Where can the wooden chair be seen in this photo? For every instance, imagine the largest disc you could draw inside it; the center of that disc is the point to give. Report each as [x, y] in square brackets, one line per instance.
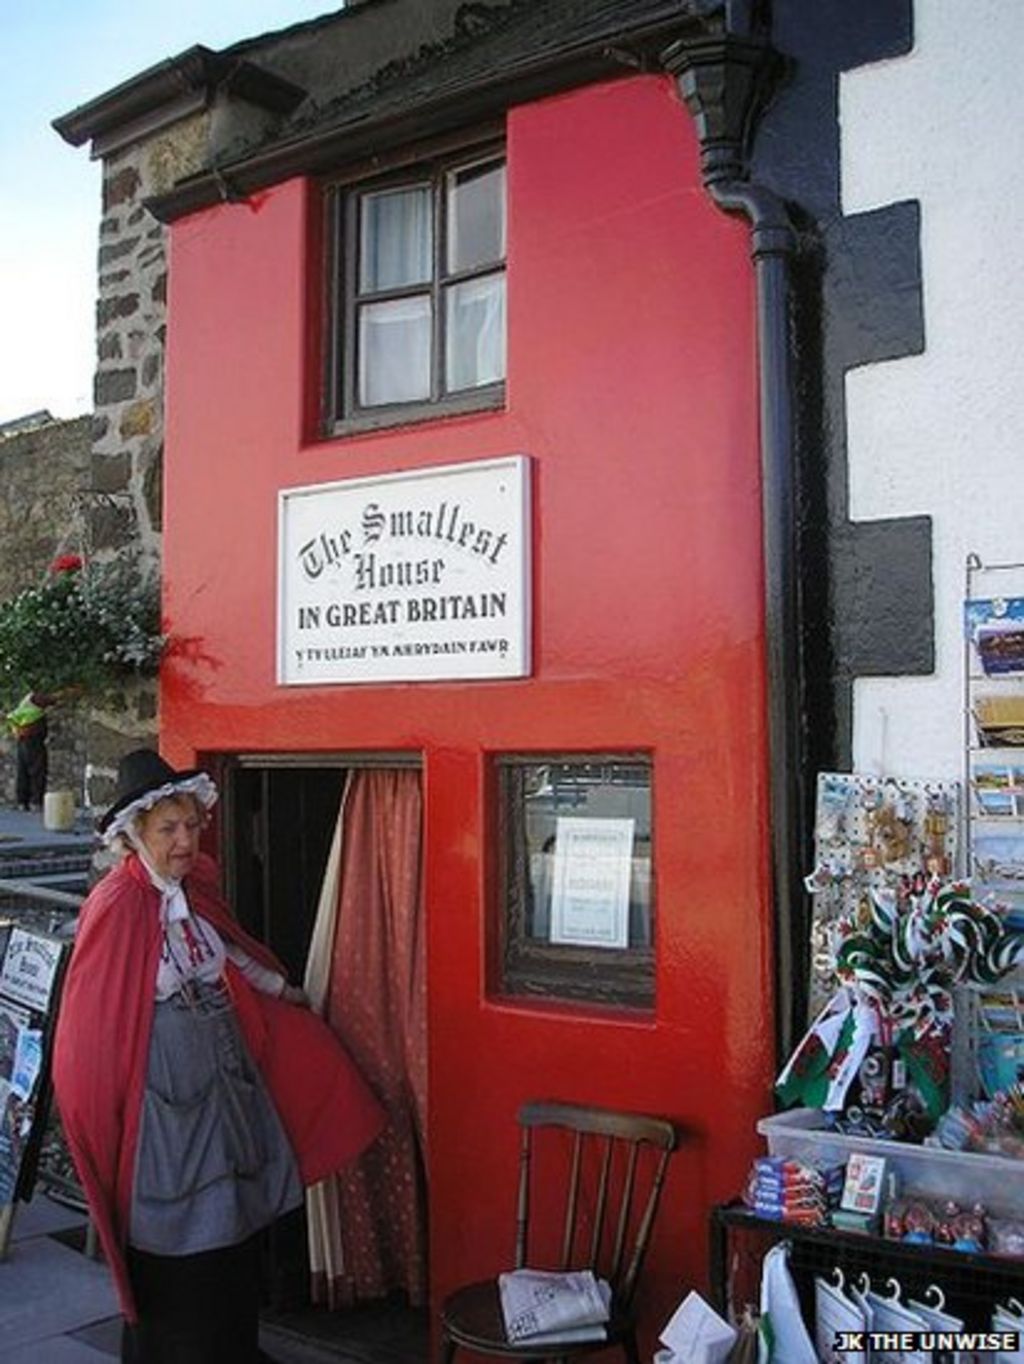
[608, 1193]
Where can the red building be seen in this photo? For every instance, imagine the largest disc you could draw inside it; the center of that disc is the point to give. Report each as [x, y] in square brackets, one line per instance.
[496, 263]
[631, 389]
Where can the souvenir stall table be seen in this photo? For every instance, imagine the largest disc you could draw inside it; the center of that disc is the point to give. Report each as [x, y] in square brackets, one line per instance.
[892, 1195]
[970, 1283]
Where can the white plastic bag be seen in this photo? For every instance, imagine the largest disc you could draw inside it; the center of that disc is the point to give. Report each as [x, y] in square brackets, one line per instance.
[790, 1341]
[696, 1334]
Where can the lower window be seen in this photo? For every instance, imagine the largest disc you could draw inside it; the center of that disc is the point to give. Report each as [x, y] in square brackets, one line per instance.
[575, 854]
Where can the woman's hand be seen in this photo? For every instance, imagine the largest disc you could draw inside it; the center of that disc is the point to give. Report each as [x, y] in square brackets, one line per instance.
[295, 994]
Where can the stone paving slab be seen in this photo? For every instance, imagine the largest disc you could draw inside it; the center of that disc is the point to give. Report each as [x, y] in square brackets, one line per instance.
[42, 1217]
[284, 1347]
[102, 1337]
[47, 1290]
[56, 1350]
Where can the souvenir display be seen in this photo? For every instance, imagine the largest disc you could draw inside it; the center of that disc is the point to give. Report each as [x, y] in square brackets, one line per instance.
[994, 1125]
[896, 959]
[995, 627]
[872, 835]
[1006, 1237]
[936, 1318]
[896, 1321]
[863, 1184]
[916, 998]
[837, 1315]
[792, 1191]
[1009, 1316]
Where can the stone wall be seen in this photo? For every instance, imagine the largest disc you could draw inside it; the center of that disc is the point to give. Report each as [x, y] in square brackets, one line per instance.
[45, 476]
[128, 422]
[131, 313]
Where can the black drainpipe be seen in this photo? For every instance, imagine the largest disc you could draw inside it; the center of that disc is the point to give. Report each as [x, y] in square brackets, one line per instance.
[725, 82]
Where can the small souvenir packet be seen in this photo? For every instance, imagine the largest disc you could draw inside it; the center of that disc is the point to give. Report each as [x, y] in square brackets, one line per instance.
[864, 1184]
[866, 1223]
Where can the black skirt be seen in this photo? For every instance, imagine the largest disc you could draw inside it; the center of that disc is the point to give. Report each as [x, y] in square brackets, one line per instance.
[195, 1309]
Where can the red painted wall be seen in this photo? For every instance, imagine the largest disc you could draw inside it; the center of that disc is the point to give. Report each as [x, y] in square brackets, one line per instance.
[632, 385]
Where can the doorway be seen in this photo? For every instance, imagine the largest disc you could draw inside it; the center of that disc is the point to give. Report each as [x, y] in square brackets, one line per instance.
[281, 816]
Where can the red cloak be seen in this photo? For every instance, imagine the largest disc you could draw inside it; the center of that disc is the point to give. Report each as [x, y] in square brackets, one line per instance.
[101, 1051]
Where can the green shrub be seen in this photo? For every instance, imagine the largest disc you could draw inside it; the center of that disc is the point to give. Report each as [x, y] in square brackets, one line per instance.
[86, 628]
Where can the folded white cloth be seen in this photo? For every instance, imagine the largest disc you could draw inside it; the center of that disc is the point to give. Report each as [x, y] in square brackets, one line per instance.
[542, 1305]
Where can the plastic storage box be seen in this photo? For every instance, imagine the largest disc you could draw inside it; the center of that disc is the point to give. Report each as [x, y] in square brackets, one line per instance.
[966, 1176]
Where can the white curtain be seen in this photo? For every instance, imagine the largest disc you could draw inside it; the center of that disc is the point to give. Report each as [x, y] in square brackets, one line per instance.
[394, 351]
[326, 1258]
[476, 332]
[395, 239]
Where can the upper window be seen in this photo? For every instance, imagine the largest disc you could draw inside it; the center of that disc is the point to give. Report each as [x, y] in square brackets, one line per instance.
[420, 317]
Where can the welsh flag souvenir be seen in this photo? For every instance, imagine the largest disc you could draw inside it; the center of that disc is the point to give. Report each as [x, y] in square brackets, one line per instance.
[820, 1071]
[896, 966]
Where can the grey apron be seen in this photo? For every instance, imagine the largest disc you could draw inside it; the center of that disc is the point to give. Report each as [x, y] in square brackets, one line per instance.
[213, 1163]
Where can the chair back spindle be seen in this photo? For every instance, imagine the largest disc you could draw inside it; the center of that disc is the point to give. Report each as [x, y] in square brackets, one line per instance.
[643, 1236]
[603, 1182]
[625, 1208]
[572, 1201]
[602, 1204]
[523, 1199]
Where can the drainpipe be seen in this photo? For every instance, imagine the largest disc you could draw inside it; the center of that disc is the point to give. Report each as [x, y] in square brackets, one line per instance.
[725, 82]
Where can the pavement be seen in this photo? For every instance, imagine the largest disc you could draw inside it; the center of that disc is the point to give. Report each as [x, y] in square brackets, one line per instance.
[57, 1303]
[26, 826]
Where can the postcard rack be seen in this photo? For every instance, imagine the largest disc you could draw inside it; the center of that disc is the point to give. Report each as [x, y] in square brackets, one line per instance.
[994, 794]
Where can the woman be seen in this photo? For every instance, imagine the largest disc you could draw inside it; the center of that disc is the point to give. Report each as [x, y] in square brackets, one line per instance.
[196, 1093]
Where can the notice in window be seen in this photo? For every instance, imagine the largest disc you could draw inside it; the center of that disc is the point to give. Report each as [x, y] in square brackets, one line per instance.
[590, 896]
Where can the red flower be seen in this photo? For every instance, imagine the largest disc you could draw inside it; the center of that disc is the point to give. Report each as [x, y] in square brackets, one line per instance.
[66, 563]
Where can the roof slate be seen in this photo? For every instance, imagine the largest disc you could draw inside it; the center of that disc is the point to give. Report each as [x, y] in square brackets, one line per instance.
[488, 39]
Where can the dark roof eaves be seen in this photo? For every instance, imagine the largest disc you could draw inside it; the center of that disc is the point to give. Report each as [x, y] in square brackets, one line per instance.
[169, 79]
[343, 143]
[196, 71]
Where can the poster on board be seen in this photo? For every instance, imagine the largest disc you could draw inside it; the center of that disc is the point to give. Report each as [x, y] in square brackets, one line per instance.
[30, 973]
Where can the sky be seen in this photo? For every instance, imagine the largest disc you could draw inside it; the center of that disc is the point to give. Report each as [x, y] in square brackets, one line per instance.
[54, 56]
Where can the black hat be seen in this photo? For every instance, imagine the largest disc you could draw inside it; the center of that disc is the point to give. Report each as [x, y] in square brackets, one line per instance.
[143, 779]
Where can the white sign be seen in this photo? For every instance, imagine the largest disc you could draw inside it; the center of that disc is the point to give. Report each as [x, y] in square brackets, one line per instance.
[30, 965]
[406, 577]
[590, 894]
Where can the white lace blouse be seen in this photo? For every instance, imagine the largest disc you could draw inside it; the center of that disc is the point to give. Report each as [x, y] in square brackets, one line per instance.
[193, 950]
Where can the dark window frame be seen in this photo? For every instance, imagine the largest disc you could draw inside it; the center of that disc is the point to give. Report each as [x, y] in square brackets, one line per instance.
[521, 968]
[342, 415]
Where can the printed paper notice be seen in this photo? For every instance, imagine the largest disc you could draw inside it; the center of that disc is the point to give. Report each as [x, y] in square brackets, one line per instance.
[29, 969]
[590, 895]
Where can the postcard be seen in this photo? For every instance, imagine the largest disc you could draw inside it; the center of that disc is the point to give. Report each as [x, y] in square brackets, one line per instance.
[999, 860]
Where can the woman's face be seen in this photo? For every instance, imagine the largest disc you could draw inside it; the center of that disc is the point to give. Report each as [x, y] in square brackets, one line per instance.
[170, 834]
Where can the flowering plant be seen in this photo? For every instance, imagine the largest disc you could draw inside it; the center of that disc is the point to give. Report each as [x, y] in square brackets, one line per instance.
[85, 628]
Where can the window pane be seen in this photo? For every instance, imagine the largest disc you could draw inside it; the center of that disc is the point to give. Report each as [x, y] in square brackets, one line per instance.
[394, 351]
[476, 217]
[395, 239]
[475, 331]
[588, 850]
